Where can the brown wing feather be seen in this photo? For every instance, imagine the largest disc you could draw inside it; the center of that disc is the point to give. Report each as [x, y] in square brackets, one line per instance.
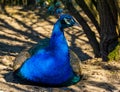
[19, 60]
[75, 63]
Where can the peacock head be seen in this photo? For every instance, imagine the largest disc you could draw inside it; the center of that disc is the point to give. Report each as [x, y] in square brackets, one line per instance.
[67, 21]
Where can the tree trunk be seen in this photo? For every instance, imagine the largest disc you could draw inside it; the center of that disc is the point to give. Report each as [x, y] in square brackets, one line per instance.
[2, 6]
[118, 10]
[108, 21]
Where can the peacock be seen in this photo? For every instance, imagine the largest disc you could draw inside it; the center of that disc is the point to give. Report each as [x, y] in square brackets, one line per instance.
[49, 65]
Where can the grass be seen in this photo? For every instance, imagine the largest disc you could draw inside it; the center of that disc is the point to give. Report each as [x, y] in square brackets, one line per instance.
[115, 54]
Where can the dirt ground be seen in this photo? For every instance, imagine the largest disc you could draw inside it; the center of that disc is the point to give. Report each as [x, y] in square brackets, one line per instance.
[21, 28]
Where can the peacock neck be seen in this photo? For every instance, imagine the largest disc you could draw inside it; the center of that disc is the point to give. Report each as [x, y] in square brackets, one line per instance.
[58, 40]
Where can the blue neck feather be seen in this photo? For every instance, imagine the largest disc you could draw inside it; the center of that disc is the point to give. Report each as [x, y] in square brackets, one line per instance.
[58, 41]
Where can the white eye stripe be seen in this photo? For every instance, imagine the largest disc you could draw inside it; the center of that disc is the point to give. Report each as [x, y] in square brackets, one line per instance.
[66, 21]
[72, 20]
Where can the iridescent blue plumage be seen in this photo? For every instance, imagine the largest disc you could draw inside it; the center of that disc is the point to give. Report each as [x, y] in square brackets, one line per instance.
[51, 65]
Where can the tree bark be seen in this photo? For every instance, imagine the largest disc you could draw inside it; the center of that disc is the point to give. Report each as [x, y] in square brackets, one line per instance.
[108, 22]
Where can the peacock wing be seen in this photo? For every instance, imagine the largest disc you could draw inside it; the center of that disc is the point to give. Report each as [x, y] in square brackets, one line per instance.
[75, 63]
[19, 60]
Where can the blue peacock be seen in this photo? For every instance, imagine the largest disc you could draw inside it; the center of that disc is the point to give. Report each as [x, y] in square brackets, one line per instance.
[49, 66]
